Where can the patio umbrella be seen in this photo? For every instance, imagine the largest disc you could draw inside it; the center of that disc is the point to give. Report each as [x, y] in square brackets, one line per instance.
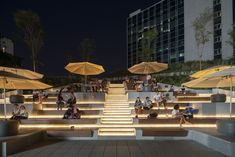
[148, 68]
[16, 83]
[16, 72]
[224, 78]
[208, 71]
[84, 68]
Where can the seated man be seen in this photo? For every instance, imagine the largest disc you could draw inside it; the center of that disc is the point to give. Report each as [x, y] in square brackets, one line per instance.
[189, 111]
[68, 113]
[147, 104]
[157, 99]
[20, 114]
[60, 100]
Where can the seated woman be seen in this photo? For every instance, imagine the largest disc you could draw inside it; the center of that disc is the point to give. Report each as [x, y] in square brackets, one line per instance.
[178, 115]
[138, 106]
[147, 104]
[16, 111]
[23, 113]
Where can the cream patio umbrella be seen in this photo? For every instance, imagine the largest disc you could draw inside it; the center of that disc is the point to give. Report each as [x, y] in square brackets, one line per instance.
[208, 71]
[224, 78]
[24, 73]
[85, 68]
[148, 68]
[16, 83]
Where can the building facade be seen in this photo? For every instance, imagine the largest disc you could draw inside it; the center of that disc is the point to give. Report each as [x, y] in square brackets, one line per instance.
[175, 41]
[7, 45]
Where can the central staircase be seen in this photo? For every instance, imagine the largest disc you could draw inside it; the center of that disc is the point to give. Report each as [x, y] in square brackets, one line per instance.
[116, 112]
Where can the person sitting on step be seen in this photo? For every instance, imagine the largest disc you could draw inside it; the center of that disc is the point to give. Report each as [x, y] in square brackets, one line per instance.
[147, 104]
[138, 106]
[179, 115]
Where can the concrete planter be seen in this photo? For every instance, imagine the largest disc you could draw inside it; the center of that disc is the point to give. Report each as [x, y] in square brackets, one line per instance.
[9, 128]
[226, 127]
[17, 99]
[218, 98]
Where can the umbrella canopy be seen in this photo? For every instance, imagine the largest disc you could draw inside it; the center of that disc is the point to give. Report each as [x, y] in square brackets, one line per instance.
[208, 71]
[16, 83]
[84, 68]
[224, 78]
[211, 82]
[148, 68]
[16, 72]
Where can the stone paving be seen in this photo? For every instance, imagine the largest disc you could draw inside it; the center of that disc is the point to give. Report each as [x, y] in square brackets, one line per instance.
[107, 148]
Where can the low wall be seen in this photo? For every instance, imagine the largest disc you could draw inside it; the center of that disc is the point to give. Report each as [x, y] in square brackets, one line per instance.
[90, 96]
[19, 143]
[214, 109]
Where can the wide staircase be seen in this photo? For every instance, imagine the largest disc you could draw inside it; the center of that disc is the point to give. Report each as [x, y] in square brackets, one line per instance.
[116, 113]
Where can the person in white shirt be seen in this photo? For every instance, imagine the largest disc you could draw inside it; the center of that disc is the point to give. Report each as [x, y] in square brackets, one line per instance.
[157, 99]
[147, 104]
[161, 99]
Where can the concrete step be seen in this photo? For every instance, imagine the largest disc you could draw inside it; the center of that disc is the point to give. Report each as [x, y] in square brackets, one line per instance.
[117, 115]
[101, 105]
[116, 132]
[117, 120]
[116, 85]
[116, 92]
[58, 121]
[116, 105]
[59, 112]
[116, 97]
[106, 110]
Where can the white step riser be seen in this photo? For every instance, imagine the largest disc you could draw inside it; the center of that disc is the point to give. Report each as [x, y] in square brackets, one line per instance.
[116, 134]
[118, 98]
[116, 85]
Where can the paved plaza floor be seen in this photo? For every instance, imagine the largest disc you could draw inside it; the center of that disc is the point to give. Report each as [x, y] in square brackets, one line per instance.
[107, 148]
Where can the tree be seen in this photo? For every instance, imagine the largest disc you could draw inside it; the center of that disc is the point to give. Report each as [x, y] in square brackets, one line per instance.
[231, 34]
[231, 42]
[87, 46]
[148, 42]
[202, 34]
[29, 23]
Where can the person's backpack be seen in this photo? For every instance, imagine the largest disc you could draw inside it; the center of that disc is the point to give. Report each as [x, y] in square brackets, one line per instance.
[153, 115]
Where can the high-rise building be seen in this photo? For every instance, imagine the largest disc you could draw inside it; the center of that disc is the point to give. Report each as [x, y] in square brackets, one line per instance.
[6, 45]
[173, 21]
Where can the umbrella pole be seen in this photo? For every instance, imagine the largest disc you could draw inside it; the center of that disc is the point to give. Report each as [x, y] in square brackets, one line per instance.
[5, 103]
[85, 83]
[230, 107]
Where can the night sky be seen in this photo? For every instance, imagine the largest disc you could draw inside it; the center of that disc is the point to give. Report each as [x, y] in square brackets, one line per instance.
[66, 23]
